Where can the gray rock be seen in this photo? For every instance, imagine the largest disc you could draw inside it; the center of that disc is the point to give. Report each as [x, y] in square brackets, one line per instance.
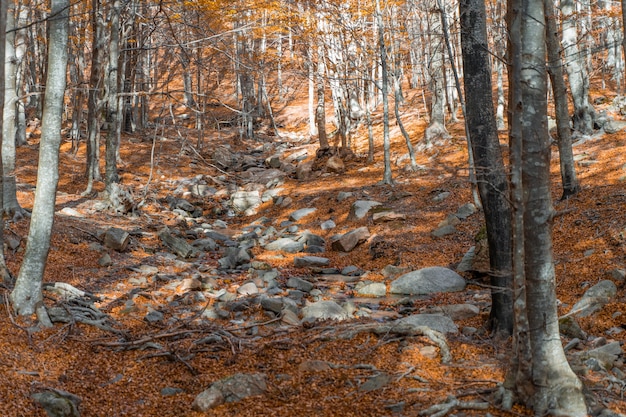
[272, 194]
[375, 289]
[248, 288]
[58, 403]
[154, 317]
[436, 322]
[376, 382]
[457, 311]
[299, 284]
[444, 231]
[348, 241]
[299, 214]
[468, 260]
[311, 261]
[595, 298]
[465, 211]
[323, 310]
[274, 304]
[441, 196]
[273, 161]
[304, 170]
[387, 216]
[169, 391]
[327, 225]
[607, 355]
[243, 201]
[344, 195]
[427, 281]
[311, 239]
[231, 389]
[223, 157]
[285, 244]
[205, 244]
[361, 208]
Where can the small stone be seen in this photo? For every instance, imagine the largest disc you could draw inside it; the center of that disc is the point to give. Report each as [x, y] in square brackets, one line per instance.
[311, 261]
[328, 225]
[299, 214]
[299, 284]
[248, 289]
[105, 260]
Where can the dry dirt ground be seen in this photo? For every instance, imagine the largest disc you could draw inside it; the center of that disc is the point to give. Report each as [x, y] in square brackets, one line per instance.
[113, 379]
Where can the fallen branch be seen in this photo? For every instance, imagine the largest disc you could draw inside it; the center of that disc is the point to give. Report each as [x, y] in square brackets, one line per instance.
[440, 410]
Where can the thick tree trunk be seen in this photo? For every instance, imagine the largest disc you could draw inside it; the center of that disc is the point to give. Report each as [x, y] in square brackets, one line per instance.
[27, 297]
[543, 379]
[569, 180]
[491, 173]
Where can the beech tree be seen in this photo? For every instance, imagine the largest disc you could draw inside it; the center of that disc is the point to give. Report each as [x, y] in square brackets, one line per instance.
[5, 275]
[26, 297]
[491, 174]
[540, 376]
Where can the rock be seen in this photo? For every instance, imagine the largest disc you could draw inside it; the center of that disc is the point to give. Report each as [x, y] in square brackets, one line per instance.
[290, 318]
[311, 261]
[263, 177]
[245, 201]
[335, 164]
[595, 298]
[327, 225]
[348, 241]
[273, 161]
[344, 195]
[299, 284]
[169, 391]
[444, 231]
[376, 382]
[436, 322]
[231, 389]
[299, 214]
[285, 244]
[105, 260]
[311, 239]
[569, 327]
[249, 288]
[607, 355]
[58, 403]
[387, 216]
[360, 208]
[427, 281]
[465, 211]
[304, 170]
[154, 316]
[116, 239]
[441, 196]
[375, 289]
[179, 246]
[274, 304]
[68, 211]
[467, 262]
[324, 310]
[223, 157]
[618, 275]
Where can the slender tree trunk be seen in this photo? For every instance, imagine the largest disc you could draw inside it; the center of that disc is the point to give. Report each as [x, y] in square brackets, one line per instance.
[27, 297]
[112, 77]
[94, 103]
[320, 109]
[387, 176]
[5, 275]
[11, 206]
[490, 171]
[584, 113]
[555, 70]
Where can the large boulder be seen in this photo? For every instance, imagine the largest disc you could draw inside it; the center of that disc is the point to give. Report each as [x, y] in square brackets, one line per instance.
[427, 281]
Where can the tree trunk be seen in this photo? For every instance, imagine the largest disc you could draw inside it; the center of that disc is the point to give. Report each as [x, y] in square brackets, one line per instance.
[5, 275]
[543, 379]
[320, 109]
[27, 297]
[112, 84]
[584, 114]
[491, 173]
[569, 180]
[94, 104]
[10, 204]
[387, 177]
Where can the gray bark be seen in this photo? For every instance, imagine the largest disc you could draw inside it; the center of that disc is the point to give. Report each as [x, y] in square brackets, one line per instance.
[569, 179]
[5, 276]
[542, 377]
[112, 89]
[584, 113]
[10, 204]
[490, 171]
[387, 177]
[26, 297]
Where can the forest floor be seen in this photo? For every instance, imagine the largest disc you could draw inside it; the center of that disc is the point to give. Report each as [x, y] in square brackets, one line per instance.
[114, 378]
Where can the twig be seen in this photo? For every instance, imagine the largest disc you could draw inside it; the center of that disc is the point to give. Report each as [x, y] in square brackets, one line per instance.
[440, 410]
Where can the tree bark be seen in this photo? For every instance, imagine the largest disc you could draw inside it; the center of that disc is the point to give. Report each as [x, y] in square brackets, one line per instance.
[543, 378]
[569, 180]
[10, 204]
[112, 84]
[27, 297]
[5, 276]
[490, 171]
[387, 176]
